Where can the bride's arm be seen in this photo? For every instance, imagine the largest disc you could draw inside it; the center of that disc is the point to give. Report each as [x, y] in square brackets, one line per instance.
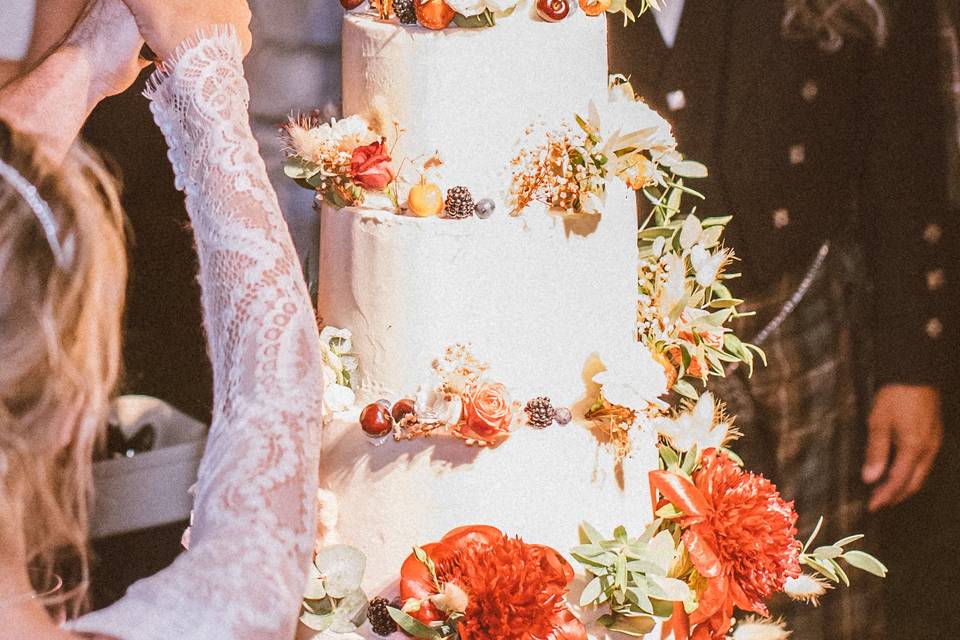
[254, 514]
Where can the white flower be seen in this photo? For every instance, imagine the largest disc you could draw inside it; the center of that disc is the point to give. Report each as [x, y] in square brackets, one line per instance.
[350, 133]
[675, 287]
[758, 629]
[470, 8]
[806, 588]
[633, 378]
[707, 265]
[622, 123]
[697, 427]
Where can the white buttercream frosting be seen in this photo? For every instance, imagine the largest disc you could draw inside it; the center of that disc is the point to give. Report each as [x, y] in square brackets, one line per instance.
[537, 296]
[470, 93]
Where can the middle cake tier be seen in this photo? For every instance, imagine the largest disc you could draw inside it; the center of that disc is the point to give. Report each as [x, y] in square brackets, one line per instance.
[536, 296]
[468, 95]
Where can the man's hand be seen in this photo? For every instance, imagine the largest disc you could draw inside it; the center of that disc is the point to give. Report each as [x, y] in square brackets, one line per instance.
[166, 23]
[98, 58]
[905, 418]
[110, 42]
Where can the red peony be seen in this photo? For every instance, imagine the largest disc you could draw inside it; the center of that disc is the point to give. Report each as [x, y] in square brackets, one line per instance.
[486, 414]
[741, 537]
[370, 166]
[514, 589]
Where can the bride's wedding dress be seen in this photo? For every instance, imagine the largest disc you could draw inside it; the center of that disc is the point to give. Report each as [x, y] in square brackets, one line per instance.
[253, 528]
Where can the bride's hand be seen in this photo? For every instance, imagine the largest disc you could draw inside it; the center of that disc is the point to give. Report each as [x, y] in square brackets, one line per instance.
[166, 23]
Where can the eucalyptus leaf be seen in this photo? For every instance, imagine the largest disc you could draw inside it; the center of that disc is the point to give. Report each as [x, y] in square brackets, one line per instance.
[865, 562]
[351, 613]
[317, 622]
[343, 567]
[845, 541]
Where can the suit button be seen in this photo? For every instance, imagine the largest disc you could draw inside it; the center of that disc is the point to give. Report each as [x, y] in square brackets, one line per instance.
[798, 154]
[936, 278]
[932, 233]
[676, 100]
[809, 90]
[781, 218]
[934, 328]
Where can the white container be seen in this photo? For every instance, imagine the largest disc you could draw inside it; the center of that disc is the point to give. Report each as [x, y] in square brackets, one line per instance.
[152, 488]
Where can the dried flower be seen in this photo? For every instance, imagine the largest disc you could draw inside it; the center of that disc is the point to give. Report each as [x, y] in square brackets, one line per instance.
[806, 588]
[702, 426]
[753, 628]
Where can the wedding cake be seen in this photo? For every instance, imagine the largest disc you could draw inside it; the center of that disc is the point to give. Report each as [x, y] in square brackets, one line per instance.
[512, 371]
[537, 296]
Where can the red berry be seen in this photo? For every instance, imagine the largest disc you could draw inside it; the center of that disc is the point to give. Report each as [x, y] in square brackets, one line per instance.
[402, 409]
[553, 10]
[375, 420]
[351, 4]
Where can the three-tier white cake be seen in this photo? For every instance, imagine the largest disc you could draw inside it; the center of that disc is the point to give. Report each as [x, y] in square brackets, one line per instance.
[538, 296]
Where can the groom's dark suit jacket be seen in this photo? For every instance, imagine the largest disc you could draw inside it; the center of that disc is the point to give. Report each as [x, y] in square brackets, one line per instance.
[804, 145]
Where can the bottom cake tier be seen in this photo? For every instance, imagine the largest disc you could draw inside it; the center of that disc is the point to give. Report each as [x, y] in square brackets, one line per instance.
[539, 485]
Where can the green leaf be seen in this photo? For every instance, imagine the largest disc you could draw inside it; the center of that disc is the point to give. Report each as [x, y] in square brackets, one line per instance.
[589, 534]
[690, 460]
[636, 626]
[841, 574]
[822, 568]
[316, 622]
[342, 567]
[865, 562]
[590, 592]
[813, 534]
[829, 551]
[669, 457]
[845, 541]
[669, 588]
[689, 169]
[299, 169]
[413, 626]
[351, 613]
[685, 389]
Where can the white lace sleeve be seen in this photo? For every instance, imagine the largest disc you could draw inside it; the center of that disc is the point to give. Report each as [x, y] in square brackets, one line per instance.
[254, 513]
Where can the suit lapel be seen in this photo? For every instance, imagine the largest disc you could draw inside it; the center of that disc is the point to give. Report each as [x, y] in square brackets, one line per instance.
[754, 30]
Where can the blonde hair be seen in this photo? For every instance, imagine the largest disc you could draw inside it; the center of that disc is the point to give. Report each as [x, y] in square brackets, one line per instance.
[833, 22]
[60, 337]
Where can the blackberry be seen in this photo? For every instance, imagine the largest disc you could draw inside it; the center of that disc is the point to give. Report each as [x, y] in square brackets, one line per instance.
[380, 620]
[459, 203]
[541, 412]
[406, 12]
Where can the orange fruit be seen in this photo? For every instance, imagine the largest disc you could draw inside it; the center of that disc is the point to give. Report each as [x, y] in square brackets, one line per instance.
[425, 199]
[594, 7]
[436, 14]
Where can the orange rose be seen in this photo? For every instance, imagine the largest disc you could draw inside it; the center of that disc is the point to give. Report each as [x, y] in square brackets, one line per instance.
[370, 166]
[486, 414]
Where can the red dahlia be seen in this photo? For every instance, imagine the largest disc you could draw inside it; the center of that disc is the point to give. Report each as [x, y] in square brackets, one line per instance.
[740, 534]
[515, 590]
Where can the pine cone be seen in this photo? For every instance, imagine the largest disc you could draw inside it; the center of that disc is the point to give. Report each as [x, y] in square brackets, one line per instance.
[459, 203]
[541, 412]
[406, 11]
[380, 620]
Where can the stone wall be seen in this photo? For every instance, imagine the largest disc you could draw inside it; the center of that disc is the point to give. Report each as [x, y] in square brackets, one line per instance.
[294, 66]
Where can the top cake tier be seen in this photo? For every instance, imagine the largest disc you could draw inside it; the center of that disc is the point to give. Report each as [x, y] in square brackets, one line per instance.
[468, 95]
